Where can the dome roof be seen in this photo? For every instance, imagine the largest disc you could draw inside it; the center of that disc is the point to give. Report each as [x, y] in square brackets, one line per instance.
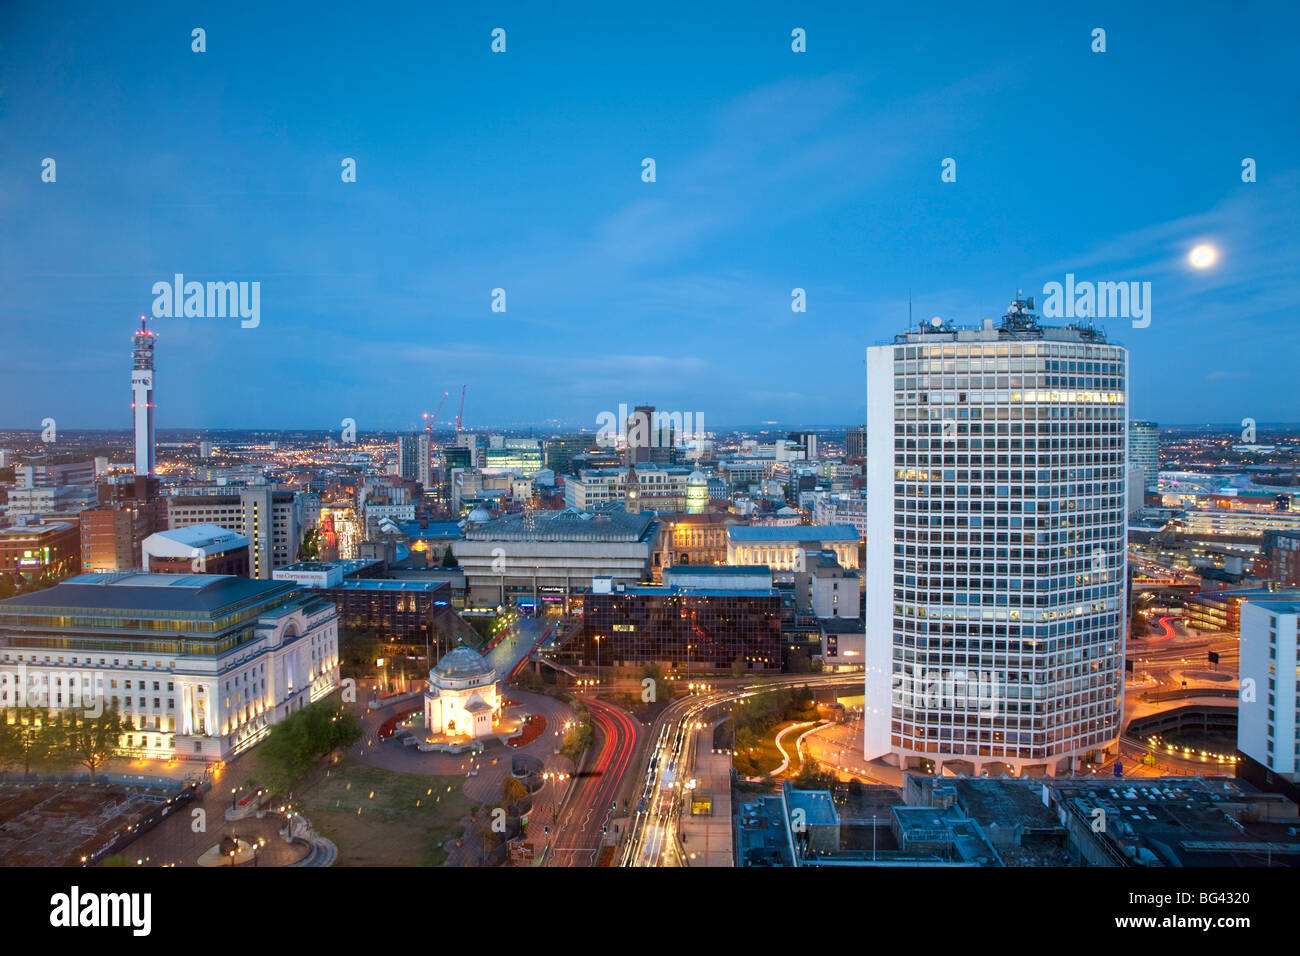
[462, 663]
[479, 516]
[697, 477]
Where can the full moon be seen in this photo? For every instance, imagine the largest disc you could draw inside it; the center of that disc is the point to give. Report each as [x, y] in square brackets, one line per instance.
[1202, 257]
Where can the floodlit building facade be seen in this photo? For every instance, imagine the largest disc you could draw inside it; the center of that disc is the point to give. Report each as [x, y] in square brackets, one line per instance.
[202, 665]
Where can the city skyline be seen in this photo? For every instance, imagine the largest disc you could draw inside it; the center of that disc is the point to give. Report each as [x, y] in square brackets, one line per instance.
[775, 171]
[845, 438]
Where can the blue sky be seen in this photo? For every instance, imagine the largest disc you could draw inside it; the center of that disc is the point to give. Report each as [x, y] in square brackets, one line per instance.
[522, 170]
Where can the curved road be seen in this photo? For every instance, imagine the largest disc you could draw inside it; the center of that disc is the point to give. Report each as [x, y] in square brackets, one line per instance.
[589, 805]
[652, 838]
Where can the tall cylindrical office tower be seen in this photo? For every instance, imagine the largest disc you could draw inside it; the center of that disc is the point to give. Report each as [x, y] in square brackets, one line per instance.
[996, 551]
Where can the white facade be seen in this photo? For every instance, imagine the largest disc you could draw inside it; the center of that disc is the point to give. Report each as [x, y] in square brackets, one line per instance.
[660, 487]
[311, 574]
[835, 592]
[462, 697]
[697, 493]
[1135, 483]
[185, 705]
[996, 545]
[401, 513]
[197, 542]
[785, 549]
[1268, 713]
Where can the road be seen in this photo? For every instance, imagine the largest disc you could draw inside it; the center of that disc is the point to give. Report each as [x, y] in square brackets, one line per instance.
[589, 807]
[652, 838]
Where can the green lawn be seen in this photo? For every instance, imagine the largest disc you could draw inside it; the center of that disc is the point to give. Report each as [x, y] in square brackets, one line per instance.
[402, 819]
[766, 757]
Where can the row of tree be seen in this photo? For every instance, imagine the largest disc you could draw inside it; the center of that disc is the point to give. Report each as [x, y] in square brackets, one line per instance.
[33, 738]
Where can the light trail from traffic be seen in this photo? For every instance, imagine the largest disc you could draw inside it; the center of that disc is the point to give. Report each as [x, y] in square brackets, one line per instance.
[652, 838]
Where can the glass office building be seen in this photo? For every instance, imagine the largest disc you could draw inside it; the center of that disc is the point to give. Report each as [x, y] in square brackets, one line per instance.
[699, 627]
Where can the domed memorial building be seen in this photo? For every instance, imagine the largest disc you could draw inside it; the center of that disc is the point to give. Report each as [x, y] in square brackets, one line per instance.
[462, 697]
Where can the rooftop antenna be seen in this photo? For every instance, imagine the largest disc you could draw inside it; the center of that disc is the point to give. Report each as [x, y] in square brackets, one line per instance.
[909, 307]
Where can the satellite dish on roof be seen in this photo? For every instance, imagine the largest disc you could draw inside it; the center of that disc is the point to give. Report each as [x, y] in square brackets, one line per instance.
[936, 322]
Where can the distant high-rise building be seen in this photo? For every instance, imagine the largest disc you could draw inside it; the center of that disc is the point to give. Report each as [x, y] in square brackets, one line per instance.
[561, 450]
[457, 457]
[807, 441]
[995, 561]
[514, 457]
[272, 521]
[470, 442]
[1144, 449]
[855, 442]
[408, 456]
[424, 460]
[640, 434]
[142, 400]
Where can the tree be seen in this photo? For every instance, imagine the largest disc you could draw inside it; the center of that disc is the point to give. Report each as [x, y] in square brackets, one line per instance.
[512, 791]
[812, 777]
[577, 740]
[449, 559]
[745, 742]
[309, 550]
[491, 839]
[296, 743]
[90, 741]
[738, 666]
[28, 736]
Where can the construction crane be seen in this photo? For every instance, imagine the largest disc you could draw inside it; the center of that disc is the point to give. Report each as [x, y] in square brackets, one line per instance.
[460, 414]
[429, 420]
[428, 424]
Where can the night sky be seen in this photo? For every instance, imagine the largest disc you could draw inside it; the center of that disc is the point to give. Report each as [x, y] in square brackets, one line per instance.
[775, 170]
